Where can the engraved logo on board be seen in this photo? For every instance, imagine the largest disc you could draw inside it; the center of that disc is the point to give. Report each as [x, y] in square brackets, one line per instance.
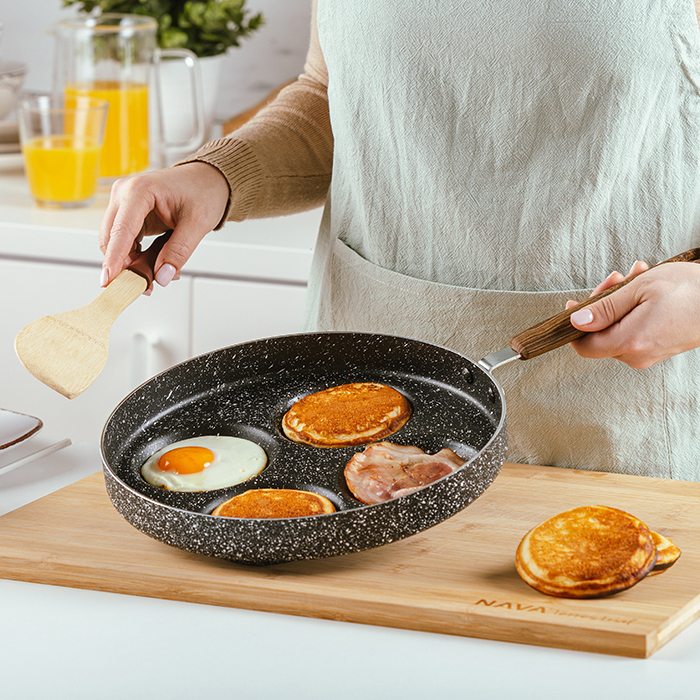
[547, 610]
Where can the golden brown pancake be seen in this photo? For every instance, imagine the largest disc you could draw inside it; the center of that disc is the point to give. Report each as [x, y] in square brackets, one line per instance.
[587, 552]
[349, 414]
[274, 503]
[667, 553]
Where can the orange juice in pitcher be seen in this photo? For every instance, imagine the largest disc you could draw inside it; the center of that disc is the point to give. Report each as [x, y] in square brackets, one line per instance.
[114, 57]
[125, 148]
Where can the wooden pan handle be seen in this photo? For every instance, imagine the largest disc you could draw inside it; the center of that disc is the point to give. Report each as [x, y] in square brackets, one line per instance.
[557, 330]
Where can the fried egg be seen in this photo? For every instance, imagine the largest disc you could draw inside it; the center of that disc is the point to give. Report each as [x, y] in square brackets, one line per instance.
[204, 463]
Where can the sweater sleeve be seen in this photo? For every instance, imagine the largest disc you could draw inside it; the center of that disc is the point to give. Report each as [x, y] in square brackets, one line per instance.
[280, 161]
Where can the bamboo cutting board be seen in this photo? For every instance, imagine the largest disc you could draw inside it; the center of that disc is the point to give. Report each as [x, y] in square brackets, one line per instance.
[457, 578]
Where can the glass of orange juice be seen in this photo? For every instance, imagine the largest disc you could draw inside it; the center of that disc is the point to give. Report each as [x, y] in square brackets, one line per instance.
[62, 141]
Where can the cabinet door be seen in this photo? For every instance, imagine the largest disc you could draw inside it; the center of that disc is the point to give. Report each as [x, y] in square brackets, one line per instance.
[149, 336]
[227, 312]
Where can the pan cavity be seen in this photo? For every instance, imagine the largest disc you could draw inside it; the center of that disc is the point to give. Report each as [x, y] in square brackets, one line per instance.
[276, 502]
[346, 415]
[204, 463]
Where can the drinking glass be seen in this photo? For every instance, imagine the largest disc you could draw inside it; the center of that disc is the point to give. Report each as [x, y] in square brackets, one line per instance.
[62, 140]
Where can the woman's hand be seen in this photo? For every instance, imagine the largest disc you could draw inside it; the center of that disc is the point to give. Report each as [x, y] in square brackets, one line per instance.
[189, 198]
[655, 316]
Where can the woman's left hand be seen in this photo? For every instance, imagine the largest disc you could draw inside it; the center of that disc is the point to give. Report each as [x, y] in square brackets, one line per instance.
[653, 317]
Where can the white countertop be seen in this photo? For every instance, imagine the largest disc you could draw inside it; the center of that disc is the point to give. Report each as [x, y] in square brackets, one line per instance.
[62, 643]
[274, 249]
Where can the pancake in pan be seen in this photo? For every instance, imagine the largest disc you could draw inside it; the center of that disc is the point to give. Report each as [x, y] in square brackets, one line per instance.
[274, 503]
[349, 414]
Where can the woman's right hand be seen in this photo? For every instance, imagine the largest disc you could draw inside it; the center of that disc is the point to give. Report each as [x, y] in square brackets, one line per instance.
[190, 199]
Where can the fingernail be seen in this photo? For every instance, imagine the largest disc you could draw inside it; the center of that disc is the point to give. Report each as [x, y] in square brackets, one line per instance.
[582, 317]
[104, 277]
[165, 274]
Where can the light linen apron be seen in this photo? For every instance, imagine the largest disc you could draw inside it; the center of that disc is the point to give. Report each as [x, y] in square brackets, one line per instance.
[495, 158]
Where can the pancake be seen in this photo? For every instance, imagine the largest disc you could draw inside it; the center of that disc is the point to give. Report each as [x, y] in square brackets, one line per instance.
[587, 552]
[345, 415]
[667, 553]
[274, 503]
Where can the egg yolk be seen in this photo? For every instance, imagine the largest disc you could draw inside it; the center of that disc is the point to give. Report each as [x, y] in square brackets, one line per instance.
[186, 460]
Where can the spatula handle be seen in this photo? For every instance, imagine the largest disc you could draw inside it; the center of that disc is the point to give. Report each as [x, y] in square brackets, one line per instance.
[145, 262]
[557, 330]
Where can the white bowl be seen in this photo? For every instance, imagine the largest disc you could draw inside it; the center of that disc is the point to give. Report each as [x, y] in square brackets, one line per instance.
[11, 80]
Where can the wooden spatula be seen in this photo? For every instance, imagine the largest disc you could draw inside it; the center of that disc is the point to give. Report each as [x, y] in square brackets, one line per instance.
[67, 351]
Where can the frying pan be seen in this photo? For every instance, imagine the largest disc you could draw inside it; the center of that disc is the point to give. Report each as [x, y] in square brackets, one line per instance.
[244, 390]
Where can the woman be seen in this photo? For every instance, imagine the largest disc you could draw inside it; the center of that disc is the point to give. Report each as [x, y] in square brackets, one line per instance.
[488, 161]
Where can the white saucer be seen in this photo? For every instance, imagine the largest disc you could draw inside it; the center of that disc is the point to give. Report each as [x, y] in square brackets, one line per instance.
[16, 428]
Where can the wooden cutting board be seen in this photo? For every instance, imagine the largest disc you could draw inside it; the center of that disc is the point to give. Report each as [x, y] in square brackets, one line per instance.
[456, 578]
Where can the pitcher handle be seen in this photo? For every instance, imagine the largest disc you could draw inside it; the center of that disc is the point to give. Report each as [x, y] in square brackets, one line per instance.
[192, 64]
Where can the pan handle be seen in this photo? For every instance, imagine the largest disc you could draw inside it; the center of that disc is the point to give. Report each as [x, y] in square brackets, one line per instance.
[557, 330]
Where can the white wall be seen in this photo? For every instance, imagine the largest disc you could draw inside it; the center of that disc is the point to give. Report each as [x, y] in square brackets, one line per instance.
[271, 56]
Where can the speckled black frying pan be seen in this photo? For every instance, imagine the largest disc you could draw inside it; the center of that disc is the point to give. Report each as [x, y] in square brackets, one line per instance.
[244, 391]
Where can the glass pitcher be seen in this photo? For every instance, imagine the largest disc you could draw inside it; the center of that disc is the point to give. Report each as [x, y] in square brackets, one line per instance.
[114, 57]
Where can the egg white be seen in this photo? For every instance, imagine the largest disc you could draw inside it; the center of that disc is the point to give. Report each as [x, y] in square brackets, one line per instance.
[235, 461]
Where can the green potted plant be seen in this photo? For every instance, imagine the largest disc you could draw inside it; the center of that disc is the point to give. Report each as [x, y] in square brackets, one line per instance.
[208, 28]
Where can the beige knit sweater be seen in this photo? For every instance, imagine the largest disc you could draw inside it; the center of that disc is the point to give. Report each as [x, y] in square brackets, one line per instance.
[280, 161]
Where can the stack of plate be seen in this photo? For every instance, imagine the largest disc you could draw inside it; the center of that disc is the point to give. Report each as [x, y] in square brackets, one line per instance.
[18, 444]
[12, 74]
[9, 136]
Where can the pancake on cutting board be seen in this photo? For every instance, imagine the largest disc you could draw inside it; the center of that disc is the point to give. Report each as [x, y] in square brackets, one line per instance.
[587, 552]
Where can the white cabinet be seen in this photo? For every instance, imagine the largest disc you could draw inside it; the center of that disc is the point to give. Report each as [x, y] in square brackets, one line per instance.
[191, 316]
[227, 312]
[149, 336]
[243, 282]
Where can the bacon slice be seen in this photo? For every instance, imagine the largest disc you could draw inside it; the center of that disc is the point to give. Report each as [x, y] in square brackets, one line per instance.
[384, 470]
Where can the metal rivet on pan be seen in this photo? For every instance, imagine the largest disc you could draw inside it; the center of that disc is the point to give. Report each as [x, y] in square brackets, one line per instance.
[492, 395]
[468, 375]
